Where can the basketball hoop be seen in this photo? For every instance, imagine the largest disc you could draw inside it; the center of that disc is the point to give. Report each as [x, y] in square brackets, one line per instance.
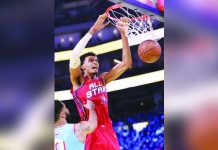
[138, 24]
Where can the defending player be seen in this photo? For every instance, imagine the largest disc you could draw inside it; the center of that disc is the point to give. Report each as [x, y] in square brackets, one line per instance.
[72, 136]
[87, 84]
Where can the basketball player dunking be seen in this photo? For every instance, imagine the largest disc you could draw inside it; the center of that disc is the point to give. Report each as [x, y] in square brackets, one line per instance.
[87, 84]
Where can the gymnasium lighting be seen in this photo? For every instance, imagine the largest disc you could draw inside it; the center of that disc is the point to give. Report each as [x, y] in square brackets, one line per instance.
[120, 84]
[110, 46]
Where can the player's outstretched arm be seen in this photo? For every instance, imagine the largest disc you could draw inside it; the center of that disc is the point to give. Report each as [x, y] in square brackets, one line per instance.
[86, 127]
[99, 24]
[126, 62]
[75, 72]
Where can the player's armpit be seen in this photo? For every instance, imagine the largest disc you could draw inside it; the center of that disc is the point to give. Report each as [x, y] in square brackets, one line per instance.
[115, 72]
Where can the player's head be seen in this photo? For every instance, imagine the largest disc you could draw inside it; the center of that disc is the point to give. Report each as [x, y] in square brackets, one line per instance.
[61, 111]
[89, 63]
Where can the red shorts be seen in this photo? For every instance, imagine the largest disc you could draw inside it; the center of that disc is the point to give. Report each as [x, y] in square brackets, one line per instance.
[102, 138]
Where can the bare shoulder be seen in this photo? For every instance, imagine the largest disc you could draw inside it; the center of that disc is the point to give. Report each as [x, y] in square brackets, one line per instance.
[75, 74]
[75, 85]
[103, 74]
[115, 72]
[76, 78]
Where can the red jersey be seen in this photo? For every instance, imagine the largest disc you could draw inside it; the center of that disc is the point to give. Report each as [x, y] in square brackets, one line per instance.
[104, 136]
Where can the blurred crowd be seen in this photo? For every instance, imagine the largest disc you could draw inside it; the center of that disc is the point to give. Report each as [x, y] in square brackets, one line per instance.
[149, 137]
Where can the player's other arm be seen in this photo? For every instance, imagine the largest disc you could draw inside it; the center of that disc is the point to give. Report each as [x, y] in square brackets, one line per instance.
[126, 62]
[86, 127]
[75, 72]
[91, 124]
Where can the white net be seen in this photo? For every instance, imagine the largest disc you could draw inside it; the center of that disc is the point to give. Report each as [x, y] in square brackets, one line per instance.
[138, 24]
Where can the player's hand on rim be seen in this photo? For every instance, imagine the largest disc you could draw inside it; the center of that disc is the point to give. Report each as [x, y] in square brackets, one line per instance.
[99, 24]
[122, 25]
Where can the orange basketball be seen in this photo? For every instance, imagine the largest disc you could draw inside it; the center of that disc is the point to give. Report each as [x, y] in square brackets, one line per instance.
[149, 51]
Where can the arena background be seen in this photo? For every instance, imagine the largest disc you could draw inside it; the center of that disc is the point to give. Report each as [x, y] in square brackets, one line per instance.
[136, 112]
[27, 63]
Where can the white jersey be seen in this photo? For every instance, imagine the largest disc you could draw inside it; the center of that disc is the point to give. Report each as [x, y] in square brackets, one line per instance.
[65, 138]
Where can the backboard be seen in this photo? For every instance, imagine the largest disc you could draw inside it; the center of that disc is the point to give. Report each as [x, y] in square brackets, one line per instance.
[147, 7]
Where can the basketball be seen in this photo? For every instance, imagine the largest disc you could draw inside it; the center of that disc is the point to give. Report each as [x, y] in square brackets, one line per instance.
[149, 51]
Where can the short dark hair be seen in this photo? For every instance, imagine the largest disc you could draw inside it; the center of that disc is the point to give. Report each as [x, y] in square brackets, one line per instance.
[58, 108]
[83, 57]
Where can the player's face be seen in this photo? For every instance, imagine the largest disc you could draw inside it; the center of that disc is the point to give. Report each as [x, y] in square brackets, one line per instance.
[90, 65]
[65, 111]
